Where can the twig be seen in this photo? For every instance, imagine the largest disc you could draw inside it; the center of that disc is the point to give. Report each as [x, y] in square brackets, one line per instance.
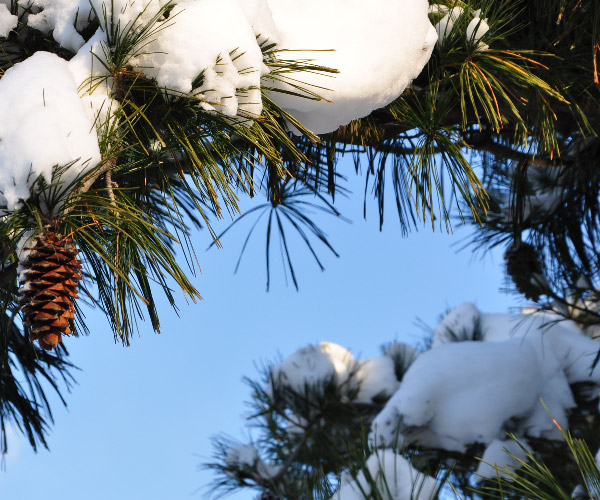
[109, 187]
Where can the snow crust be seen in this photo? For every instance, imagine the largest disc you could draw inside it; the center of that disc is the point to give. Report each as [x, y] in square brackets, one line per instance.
[42, 124]
[460, 393]
[395, 479]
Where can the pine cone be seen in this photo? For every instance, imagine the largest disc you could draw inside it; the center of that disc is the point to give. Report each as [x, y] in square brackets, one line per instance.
[525, 267]
[49, 275]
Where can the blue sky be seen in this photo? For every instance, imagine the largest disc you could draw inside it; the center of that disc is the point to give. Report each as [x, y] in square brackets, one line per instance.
[139, 421]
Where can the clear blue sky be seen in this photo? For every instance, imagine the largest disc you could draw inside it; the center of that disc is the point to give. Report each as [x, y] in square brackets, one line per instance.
[139, 421]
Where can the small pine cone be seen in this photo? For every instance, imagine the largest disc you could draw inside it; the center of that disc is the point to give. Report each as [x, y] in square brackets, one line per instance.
[49, 276]
[525, 267]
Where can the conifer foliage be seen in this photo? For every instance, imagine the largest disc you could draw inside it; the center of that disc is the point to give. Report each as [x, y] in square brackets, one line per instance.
[487, 408]
[126, 124]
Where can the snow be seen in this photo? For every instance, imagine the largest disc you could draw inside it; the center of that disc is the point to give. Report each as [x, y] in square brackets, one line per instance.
[476, 28]
[395, 43]
[394, 478]
[242, 456]
[127, 14]
[62, 18]
[40, 96]
[546, 192]
[500, 457]
[208, 50]
[446, 24]
[315, 366]
[8, 21]
[379, 47]
[377, 379]
[213, 37]
[260, 18]
[460, 393]
[95, 91]
[24, 245]
[245, 457]
[461, 323]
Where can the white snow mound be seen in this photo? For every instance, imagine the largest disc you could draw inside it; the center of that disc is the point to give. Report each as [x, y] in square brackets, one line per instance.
[376, 378]
[378, 47]
[469, 392]
[43, 124]
[315, 366]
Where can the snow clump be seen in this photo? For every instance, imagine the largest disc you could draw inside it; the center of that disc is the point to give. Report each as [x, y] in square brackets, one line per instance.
[193, 42]
[377, 379]
[8, 21]
[62, 18]
[244, 458]
[43, 124]
[314, 367]
[475, 30]
[461, 393]
[462, 323]
[546, 188]
[500, 458]
[378, 47]
[395, 43]
[394, 477]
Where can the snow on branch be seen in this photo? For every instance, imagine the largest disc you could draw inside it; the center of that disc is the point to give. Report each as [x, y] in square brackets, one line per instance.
[212, 52]
[486, 379]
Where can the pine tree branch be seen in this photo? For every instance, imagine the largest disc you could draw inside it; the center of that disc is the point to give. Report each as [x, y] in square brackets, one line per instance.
[483, 141]
[89, 180]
